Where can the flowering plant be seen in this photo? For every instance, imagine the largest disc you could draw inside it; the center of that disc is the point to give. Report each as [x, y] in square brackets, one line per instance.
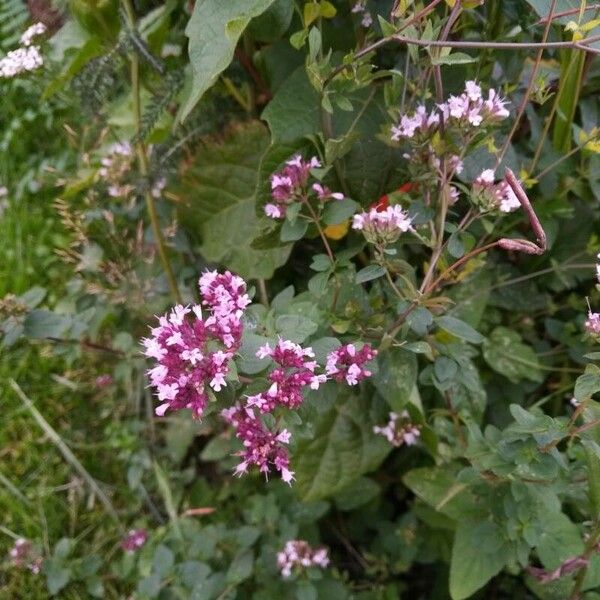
[366, 232]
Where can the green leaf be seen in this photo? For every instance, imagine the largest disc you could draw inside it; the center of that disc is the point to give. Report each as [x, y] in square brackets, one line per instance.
[293, 231]
[560, 539]
[369, 273]
[478, 553]
[439, 488]
[273, 23]
[396, 376]
[456, 58]
[214, 30]
[339, 211]
[508, 355]
[343, 448]
[218, 202]
[358, 493]
[44, 324]
[162, 560]
[241, 567]
[295, 327]
[294, 111]
[586, 385]
[460, 329]
[57, 576]
[592, 454]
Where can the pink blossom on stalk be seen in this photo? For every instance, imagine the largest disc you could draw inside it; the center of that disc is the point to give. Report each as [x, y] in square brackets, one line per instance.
[399, 430]
[467, 110]
[291, 185]
[382, 227]
[298, 553]
[346, 362]
[193, 352]
[292, 374]
[324, 193]
[262, 448]
[494, 196]
[593, 323]
[24, 554]
[134, 540]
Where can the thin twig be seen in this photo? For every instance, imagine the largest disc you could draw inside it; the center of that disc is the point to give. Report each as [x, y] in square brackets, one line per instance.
[566, 13]
[525, 100]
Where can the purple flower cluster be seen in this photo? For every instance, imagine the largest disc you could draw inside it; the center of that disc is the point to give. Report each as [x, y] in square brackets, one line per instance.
[399, 430]
[382, 227]
[291, 185]
[347, 363]
[262, 447]
[193, 352]
[298, 553]
[24, 554]
[470, 109]
[134, 540]
[491, 196]
[294, 371]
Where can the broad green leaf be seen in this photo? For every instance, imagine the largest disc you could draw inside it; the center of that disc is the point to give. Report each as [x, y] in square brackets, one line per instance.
[295, 327]
[586, 386]
[396, 376]
[358, 493]
[273, 23]
[456, 58]
[294, 111]
[478, 553]
[343, 448]
[560, 539]
[241, 567]
[214, 30]
[508, 355]
[338, 211]
[592, 453]
[218, 202]
[460, 329]
[369, 273]
[439, 488]
[43, 324]
[57, 575]
[291, 232]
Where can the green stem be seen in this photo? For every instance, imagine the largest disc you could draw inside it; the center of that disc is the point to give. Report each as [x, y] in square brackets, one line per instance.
[142, 155]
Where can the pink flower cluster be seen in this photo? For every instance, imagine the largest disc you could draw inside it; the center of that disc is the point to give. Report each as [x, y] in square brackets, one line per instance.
[294, 371]
[382, 227]
[24, 554]
[494, 196]
[134, 540]
[298, 553]
[291, 185]
[193, 352]
[399, 430]
[470, 109]
[262, 447]
[347, 363]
